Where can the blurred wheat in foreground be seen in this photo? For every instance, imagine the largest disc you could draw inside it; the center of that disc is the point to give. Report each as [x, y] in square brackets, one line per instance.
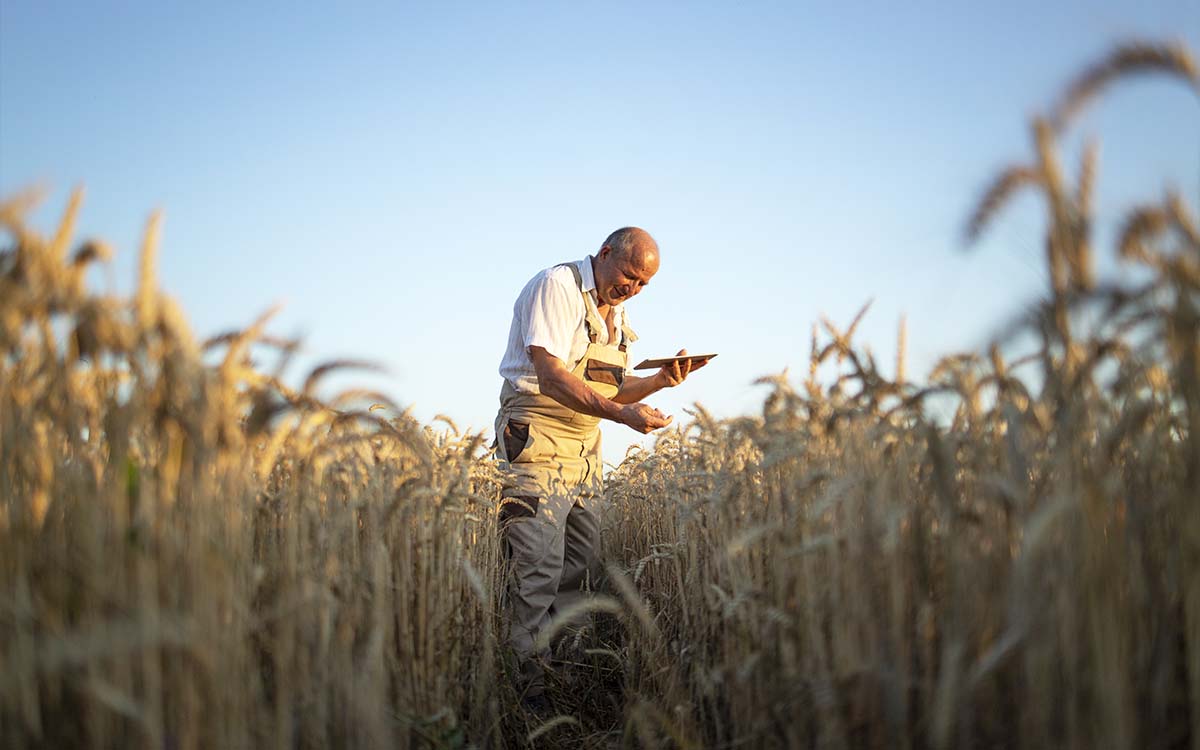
[194, 554]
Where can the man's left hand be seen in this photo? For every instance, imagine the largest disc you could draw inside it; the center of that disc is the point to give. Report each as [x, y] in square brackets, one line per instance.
[675, 373]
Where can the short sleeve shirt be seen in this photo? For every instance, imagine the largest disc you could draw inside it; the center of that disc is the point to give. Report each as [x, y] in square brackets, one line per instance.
[550, 313]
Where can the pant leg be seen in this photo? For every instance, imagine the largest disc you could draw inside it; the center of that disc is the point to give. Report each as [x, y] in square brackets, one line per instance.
[535, 547]
[534, 528]
[581, 557]
[543, 467]
[581, 550]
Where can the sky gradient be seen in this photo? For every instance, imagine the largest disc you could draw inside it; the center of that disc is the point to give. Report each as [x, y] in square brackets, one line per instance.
[394, 174]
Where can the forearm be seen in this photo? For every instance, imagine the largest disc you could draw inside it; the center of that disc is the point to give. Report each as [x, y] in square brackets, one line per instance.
[571, 392]
[634, 389]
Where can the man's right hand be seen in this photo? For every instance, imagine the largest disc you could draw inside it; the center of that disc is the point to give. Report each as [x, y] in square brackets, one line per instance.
[643, 418]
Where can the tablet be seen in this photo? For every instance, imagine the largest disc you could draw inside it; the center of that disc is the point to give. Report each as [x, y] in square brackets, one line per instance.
[647, 364]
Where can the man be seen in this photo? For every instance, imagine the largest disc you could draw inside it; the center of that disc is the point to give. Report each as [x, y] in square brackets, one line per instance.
[564, 370]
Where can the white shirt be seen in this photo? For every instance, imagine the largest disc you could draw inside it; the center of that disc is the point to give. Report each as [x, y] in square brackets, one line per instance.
[550, 313]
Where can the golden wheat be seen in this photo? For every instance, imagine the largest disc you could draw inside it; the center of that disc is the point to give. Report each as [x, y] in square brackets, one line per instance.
[197, 555]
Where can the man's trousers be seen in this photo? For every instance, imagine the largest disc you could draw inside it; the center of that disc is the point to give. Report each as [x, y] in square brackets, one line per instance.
[551, 469]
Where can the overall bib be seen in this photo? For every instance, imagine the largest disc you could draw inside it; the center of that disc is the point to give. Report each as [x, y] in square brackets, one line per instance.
[550, 461]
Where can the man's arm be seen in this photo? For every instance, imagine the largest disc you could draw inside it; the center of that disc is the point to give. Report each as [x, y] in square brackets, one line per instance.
[634, 389]
[557, 382]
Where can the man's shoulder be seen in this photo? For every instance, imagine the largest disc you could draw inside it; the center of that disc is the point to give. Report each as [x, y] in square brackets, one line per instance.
[559, 276]
[562, 274]
[551, 301]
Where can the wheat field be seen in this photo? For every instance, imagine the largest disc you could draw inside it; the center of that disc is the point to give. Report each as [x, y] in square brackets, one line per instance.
[195, 554]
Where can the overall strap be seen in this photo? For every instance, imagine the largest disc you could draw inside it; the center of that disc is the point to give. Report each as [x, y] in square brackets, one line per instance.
[627, 334]
[591, 316]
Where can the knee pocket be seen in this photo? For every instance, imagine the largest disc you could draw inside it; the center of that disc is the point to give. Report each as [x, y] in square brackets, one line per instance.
[517, 507]
[530, 543]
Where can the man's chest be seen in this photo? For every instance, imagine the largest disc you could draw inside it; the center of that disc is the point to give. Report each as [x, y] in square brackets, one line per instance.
[610, 315]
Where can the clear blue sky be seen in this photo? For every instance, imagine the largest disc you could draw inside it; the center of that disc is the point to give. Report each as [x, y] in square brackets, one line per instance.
[394, 174]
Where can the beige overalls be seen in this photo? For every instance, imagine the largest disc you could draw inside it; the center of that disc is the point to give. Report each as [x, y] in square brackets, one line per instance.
[550, 459]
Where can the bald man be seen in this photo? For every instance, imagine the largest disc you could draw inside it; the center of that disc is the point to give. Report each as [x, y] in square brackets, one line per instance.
[564, 370]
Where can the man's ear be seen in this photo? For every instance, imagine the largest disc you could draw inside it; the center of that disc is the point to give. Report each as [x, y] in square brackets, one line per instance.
[603, 254]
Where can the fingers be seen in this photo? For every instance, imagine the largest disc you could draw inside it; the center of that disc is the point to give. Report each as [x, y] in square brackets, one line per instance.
[671, 373]
[656, 424]
[681, 368]
[655, 419]
[646, 419]
[676, 372]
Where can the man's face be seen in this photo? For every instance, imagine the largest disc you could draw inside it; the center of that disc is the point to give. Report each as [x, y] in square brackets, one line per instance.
[620, 278]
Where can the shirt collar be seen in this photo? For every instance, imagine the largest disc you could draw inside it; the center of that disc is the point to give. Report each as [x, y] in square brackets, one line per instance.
[585, 273]
[589, 286]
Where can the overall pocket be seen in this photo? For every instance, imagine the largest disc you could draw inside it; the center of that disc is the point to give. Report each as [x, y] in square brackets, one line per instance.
[603, 372]
[515, 438]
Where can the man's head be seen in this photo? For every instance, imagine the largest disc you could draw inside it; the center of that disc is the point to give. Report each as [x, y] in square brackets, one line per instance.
[626, 262]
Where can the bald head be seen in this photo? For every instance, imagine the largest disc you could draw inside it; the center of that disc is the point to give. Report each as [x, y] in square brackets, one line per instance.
[633, 244]
[626, 262]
